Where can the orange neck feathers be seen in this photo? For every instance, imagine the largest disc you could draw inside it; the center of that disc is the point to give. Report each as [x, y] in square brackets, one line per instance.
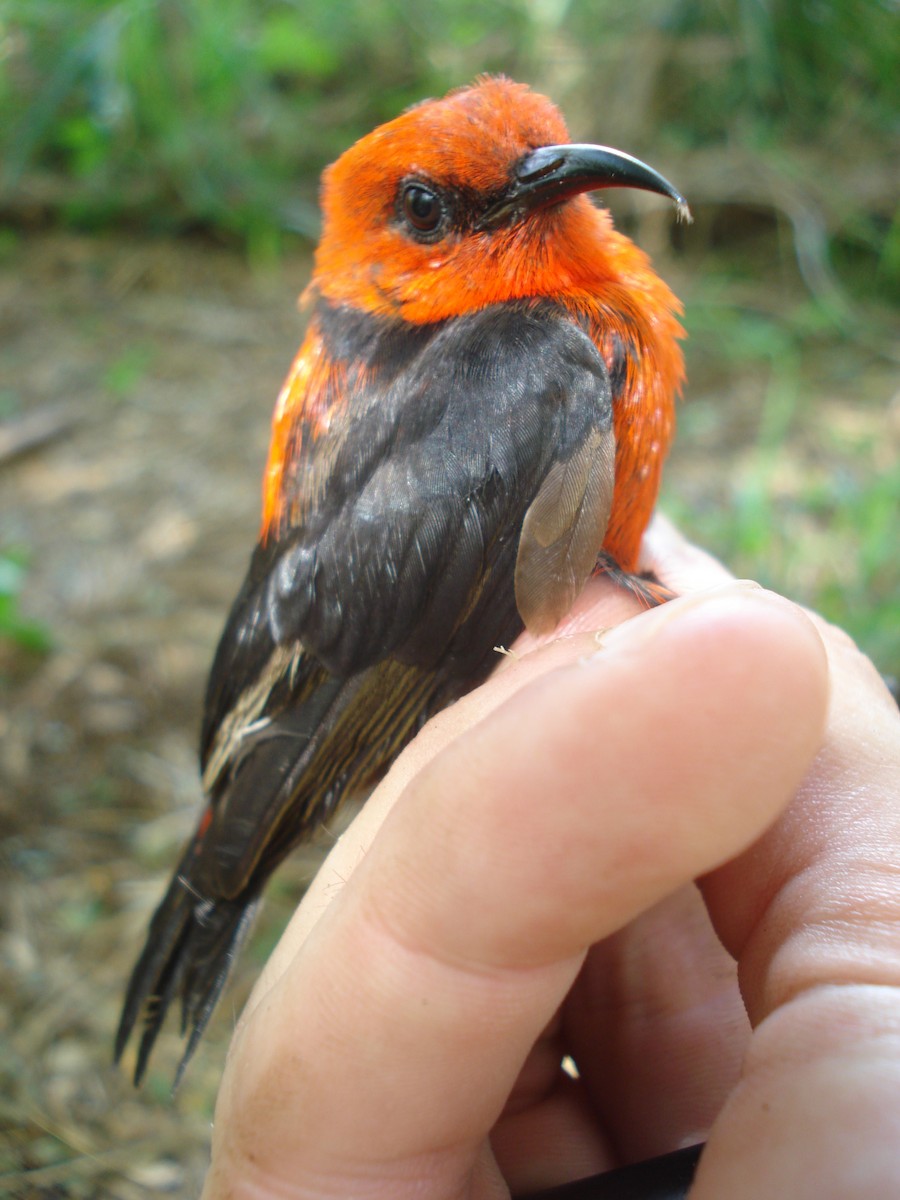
[468, 143]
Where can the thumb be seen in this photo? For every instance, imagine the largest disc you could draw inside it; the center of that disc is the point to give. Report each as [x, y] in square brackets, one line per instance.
[381, 1057]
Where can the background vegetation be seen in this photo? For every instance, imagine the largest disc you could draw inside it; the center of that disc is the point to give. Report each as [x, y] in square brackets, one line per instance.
[778, 117]
[220, 114]
[159, 162]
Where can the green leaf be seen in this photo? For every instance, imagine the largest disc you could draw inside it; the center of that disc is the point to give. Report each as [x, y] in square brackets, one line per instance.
[287, 46]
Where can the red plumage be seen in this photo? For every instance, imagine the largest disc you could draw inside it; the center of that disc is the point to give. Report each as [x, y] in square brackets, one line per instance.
[475, 422]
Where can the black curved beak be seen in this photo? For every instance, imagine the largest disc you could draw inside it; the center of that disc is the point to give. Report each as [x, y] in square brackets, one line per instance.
[553, 173]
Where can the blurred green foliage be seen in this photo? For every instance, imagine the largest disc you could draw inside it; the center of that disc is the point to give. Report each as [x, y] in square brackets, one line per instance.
[14, 627]
[222, 113]
[808, 502]
[219, 115]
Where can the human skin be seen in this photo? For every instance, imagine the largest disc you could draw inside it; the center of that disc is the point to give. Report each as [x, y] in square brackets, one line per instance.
[521, 887]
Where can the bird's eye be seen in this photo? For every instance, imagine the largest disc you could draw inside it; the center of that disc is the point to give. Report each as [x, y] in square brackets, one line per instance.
[422, 208]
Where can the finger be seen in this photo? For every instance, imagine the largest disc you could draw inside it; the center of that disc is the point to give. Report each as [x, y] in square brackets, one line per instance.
[387, 1049]
[812, 912]
[601, 606]
[513, 673]
[658, 1029]
[681, 565]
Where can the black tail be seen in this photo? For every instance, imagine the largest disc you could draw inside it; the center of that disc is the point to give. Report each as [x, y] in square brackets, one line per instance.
[190, 947]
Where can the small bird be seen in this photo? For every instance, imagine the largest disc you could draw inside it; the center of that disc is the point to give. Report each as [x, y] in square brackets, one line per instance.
[474, 425]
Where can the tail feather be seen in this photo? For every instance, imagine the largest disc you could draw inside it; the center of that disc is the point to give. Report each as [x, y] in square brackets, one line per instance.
[191, 945]
[211, 955]
[282, 782]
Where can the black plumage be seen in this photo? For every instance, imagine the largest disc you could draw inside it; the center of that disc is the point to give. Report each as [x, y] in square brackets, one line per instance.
[380, 598]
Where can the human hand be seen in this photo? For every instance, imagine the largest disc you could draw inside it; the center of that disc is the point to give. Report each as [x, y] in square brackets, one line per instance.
[519, 888]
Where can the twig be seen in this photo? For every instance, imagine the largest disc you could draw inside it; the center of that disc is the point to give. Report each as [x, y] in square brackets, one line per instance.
[24, 434]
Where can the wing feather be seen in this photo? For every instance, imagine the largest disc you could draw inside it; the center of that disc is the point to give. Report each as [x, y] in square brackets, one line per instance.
[460, 483]
[563, 531]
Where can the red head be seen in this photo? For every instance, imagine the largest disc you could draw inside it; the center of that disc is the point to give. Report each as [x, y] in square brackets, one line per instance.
[431, 214]
[476, 199]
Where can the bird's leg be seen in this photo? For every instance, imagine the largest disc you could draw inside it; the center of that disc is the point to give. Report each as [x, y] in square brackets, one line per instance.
[650, 591]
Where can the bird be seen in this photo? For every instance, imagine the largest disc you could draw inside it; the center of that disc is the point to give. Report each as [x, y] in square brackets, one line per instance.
[474, 425]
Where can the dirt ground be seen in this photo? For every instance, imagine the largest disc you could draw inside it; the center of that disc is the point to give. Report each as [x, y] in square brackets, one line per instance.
[137, 521]
[158, 364]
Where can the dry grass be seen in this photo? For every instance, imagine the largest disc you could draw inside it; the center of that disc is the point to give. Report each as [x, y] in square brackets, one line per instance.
[137, 523]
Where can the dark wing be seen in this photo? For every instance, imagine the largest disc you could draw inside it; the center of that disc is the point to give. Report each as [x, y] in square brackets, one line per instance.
[385, 603]
[408, 551]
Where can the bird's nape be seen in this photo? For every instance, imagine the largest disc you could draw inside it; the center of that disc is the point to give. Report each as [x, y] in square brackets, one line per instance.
[475, 424]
